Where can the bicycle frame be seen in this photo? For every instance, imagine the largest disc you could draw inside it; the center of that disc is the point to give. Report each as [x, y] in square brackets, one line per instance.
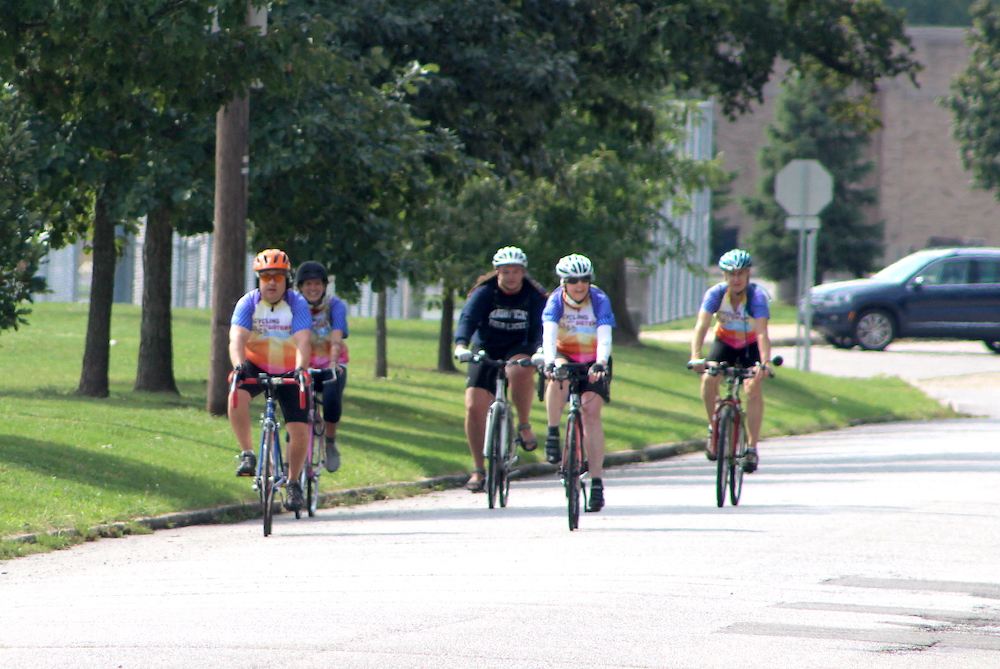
[266, 481]
[572, 470]
[313, 468]
[499, 451]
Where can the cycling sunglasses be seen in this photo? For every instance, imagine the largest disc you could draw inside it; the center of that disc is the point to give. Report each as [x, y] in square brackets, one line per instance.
[577, 279]
[271, 278]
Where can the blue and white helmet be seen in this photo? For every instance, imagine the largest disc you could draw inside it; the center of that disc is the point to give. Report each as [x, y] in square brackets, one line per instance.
[574, 265]
[509, 255]
[734, 260]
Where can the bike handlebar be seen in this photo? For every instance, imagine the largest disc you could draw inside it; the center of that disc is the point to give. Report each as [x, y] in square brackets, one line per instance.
[270, 380]
[482, 358]
[737, 370]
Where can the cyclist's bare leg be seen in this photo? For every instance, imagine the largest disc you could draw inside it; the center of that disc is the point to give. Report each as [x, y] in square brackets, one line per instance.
[709, 393]
[522, 392]
[555, 400]
[239, 419]
[331, 430]
[755, 410]
[298, 447]
[593, 432]
[477, 406]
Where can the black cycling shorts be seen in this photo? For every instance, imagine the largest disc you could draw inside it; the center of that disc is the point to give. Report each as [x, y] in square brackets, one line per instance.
[602, 387]
[333, 393]
[485, 376]
[722, 352]
[287, 396]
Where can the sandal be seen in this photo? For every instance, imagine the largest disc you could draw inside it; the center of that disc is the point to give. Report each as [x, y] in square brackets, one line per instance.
[529, 444]
[477, 486]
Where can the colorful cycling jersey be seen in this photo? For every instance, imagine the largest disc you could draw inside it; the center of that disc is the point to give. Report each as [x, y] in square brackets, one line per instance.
[330, 314]
[735, 325]
[271, 326]
[577, 335]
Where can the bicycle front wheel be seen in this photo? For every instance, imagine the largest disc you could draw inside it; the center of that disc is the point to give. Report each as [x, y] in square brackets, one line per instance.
[573, 464]
[267, 475]
[491, 452]
[736, 468]
[723, 451]
[507, 454]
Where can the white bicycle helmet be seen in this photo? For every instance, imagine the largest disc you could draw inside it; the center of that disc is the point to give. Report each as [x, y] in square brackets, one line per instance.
[509, 255]
[734, 260]
[574, 265]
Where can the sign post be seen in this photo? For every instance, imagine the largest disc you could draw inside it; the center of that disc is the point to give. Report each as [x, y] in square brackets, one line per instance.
[804, 188]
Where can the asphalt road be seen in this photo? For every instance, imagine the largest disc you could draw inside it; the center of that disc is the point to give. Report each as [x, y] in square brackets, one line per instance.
[869, 547]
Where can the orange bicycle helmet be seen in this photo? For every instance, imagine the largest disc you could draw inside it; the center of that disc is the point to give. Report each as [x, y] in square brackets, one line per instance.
[272, 259]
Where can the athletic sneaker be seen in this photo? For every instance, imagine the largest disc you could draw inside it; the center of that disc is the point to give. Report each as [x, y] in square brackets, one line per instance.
[596, 495]
[708, 445]
[750, 461]
[332, 457]
[294, 501]
[248, 464]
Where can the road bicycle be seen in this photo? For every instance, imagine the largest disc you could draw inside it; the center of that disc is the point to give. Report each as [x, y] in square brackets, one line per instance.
[316, 455]
[574, 465]
[729, 430]
[499, 444]
[272, 476]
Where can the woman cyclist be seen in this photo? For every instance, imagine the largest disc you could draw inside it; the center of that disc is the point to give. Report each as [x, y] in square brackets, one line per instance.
[577, 324]
[329, 350]
[741, 313]
[503, 316]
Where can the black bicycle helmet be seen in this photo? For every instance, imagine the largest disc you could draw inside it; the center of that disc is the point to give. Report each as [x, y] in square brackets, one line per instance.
[311, 270]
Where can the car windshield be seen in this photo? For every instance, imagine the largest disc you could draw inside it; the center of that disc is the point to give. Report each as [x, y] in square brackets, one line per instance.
[903, 269]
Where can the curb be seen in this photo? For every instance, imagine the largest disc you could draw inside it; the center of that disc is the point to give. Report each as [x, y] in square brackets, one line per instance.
[233, 512]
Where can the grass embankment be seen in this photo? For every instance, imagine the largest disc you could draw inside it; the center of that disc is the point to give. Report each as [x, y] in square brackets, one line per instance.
[72, 462]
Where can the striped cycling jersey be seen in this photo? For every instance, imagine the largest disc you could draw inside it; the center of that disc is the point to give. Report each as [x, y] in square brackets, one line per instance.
[735, 326]
[271, 326]
[577, 334]
[327, 317]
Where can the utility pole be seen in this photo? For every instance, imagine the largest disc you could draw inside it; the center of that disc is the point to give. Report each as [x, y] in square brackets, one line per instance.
[229, 242]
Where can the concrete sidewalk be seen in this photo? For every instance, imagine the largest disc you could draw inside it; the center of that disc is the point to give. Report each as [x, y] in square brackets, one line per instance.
[781, 335]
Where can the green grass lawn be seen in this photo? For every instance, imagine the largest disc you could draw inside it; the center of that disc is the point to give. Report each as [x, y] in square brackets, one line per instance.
[73, 462]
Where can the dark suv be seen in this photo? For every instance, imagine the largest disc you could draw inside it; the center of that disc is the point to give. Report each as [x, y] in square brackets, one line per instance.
[942, 293]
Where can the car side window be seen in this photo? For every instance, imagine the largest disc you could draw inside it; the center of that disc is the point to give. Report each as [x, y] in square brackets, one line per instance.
[949, 272]
[988, 270]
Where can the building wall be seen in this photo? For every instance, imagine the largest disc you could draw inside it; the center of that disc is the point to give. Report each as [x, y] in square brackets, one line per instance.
[926, 198]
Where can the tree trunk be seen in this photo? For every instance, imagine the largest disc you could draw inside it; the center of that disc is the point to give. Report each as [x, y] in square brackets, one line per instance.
[446, 362]
[229, 241]
[155, 371]
[97, 350]
[626, 333]
[381, 354]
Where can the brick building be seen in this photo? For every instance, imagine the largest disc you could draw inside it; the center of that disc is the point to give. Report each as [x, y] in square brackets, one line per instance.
[926, 198]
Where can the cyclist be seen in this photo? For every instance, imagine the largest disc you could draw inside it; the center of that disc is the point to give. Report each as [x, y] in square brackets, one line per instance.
[741, 314]
[577, 325]
[329, 350]
[270, 332]
[503, 316]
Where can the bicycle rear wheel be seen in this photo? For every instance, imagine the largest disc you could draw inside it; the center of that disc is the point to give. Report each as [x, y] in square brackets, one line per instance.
[573, 464]
[491, 451]
[267, 476]
[723, 450]
[506, 458]
[736, 468]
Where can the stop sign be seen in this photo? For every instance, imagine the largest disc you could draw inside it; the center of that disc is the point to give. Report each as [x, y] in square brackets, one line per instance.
[803, 187]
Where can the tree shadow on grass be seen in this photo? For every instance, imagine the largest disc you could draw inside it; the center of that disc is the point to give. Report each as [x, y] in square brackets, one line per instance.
[112, 472]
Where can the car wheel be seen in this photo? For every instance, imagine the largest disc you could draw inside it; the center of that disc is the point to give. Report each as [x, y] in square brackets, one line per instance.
[840, 342]
[874, 330]
[993, 345]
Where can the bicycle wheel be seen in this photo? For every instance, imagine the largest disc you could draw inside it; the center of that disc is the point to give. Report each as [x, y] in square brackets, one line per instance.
[491, 452]
[267, 475]
[311, 475]
[736, 468]
[302, 486]
[723, 450]
[573, 463]
[508, 451]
